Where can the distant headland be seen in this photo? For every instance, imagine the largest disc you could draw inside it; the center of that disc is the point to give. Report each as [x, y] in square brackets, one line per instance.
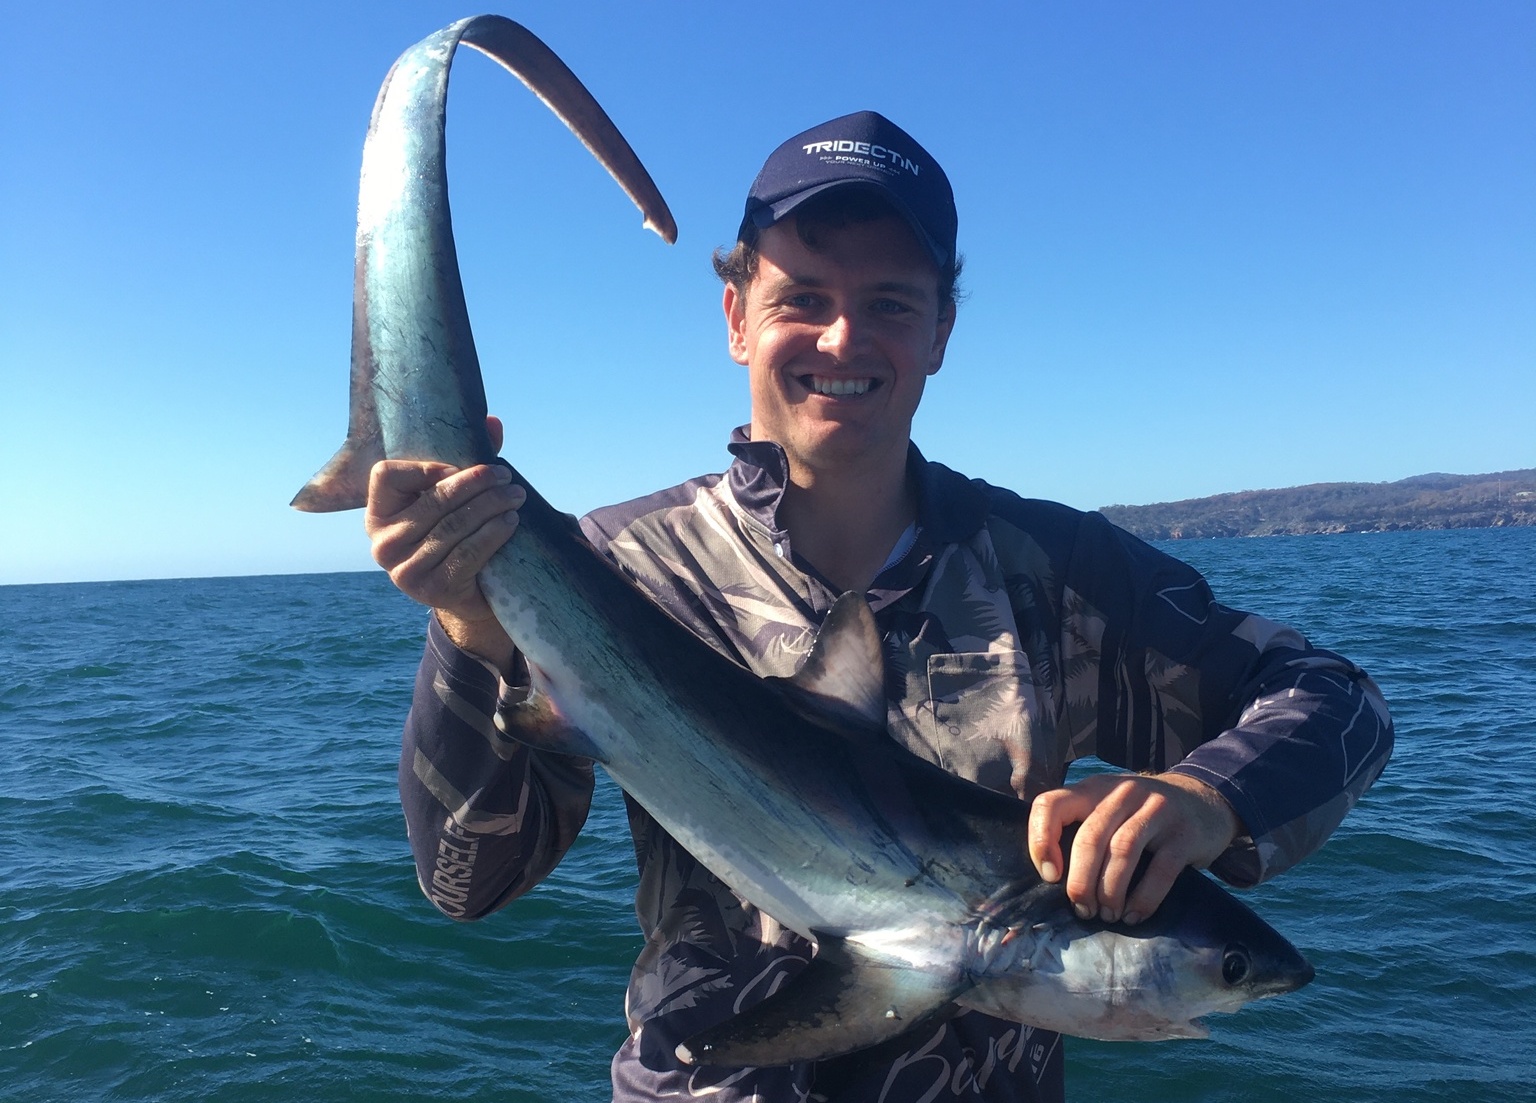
[1505, 498]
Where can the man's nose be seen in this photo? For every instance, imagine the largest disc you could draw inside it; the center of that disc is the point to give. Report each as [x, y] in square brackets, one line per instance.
[842, 337]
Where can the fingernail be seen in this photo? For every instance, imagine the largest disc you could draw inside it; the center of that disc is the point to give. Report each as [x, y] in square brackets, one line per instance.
[1049, 871]
[510, 517]
[1132, 918]
[1107, 914]
[1083, 911]
[503, 475]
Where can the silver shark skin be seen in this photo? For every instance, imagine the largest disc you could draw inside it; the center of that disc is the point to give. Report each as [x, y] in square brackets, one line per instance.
[915, 884]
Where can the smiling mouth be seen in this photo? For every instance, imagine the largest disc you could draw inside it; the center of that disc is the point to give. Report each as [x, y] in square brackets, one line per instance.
[824, 385]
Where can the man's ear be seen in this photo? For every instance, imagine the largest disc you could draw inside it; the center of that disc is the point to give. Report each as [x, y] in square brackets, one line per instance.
[941, 332]
[735, 306]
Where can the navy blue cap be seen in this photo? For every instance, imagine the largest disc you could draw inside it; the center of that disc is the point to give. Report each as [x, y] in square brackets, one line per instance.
[864, 149]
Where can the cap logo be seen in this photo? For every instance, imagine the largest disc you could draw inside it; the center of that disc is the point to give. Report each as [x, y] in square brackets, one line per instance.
[863, 149]
[865, 152]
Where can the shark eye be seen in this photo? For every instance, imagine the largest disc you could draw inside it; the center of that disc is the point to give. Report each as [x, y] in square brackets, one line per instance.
[1234, 963]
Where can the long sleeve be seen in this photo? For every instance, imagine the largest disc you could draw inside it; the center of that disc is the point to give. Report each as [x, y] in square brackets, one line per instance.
[488, 817]
[1290, 734]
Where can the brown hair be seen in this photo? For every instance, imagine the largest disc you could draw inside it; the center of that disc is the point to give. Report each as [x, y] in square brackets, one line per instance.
[831, 210]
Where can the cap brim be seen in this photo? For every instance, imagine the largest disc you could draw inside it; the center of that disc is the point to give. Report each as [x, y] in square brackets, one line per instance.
[768, 214]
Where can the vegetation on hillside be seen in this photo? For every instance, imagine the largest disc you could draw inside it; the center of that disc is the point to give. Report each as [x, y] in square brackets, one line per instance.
[1421, 502]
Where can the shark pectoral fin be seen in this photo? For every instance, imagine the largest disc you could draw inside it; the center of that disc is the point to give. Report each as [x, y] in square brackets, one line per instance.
[843, 1001]
[538, 724]
[843, 678]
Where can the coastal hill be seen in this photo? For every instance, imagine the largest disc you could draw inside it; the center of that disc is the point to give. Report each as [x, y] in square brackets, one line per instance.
[1421, 502]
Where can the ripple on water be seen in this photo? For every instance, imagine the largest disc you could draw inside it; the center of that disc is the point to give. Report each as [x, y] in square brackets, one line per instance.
[210, 896]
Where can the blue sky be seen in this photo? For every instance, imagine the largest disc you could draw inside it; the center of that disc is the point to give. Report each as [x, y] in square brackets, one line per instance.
[1210, 246]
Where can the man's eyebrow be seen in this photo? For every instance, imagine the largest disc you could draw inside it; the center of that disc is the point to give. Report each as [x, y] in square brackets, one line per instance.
[900, 287]
[787, 280]
[779, 284]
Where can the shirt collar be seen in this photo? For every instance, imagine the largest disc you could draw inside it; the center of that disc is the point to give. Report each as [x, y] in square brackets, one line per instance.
[950, 507]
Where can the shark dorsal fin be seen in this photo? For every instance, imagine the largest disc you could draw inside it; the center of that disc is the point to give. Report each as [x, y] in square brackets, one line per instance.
[843, 678]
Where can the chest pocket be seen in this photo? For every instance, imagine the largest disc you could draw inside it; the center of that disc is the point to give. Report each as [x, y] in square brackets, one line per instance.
[987, 722]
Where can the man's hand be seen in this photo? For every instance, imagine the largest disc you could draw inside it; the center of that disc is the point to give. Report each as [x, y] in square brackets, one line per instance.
[1180, 821]
[433, 527]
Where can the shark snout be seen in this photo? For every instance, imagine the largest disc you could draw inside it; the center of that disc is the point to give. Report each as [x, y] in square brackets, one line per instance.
[1272, 968]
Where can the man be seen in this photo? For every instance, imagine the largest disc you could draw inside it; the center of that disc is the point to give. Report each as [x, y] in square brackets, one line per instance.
[1019, 635]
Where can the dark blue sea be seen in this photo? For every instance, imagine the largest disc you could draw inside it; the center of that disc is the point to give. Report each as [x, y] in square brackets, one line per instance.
[205, 891]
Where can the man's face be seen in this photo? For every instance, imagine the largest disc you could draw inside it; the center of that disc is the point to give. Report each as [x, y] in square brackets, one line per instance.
[838, 342]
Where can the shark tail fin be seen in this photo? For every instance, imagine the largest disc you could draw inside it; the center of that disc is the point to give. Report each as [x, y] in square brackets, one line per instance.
[846, 999]
[410, 114]
[526, 57]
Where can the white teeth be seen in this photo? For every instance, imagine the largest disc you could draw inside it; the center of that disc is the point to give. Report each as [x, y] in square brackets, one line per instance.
[839, 386]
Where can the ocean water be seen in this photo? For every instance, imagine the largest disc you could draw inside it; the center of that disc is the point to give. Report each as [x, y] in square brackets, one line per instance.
[207, 894]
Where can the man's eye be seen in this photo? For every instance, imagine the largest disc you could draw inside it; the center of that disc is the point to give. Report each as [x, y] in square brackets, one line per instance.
[805, 301]
[890, 306]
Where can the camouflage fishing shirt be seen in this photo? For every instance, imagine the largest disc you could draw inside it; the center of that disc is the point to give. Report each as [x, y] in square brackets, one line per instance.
[1020, 635]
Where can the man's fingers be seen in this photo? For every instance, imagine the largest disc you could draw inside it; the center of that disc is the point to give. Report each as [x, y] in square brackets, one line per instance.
[1120, 819]
[413, 498]
[1153, 830]
[1102, 848]
[395, 485]
[1049, 815]
[1161, 872]
[445, 565]
[426, 537]
[1121, 856]
[433, 527]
